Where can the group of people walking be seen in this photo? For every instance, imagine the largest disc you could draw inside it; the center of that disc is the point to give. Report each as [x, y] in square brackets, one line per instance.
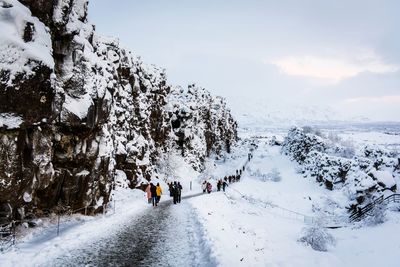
[154, 193]
[175, 191]
[206, 186]
[223, 183]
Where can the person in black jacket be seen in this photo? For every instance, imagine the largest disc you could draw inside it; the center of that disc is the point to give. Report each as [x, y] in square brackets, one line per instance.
[175, 192]
[153, 190]
[171, 189]
[179, 189]
[224, 185]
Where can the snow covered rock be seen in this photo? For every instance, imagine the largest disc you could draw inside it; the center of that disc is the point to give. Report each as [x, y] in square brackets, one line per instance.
[75, 107]
[384, 178]
[298, 144]
[363, 178]
[26, 64]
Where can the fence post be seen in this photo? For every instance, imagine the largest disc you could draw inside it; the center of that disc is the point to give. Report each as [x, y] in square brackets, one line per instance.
[58, 224]
[85, 210]
[190, 185]
[114, 205]
[13, 232]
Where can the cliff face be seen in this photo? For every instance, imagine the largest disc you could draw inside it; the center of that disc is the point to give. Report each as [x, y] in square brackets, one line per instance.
[74, 107]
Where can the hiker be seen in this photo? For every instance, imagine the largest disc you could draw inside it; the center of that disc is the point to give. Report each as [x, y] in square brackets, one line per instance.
[204, 186]
[171, 189]
[148, 193]
[175, 192]
[209, 187]
[179, 187]
[219, 185]
[153, 190]
[230, 179]
[159, 192]
[224, 185]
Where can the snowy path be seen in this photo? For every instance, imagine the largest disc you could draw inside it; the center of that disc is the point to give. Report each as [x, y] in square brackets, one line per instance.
[168, 235]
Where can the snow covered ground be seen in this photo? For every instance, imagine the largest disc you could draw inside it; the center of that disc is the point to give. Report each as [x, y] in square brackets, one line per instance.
[256, 222]
[37, 246]
[244, 231]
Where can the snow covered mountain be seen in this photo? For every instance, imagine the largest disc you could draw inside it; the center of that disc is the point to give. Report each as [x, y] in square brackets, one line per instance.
[250, 114]
[75, 107]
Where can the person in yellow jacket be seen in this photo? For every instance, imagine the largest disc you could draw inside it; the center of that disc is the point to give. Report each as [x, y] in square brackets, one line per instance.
[159, 192]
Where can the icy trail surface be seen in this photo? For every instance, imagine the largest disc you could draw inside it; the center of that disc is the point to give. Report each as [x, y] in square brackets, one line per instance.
[168, 235]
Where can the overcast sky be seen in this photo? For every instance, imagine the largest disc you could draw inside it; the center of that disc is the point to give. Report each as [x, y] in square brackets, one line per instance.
[339, 54]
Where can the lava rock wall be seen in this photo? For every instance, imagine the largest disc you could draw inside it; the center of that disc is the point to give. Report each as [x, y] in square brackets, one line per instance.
[75, 107]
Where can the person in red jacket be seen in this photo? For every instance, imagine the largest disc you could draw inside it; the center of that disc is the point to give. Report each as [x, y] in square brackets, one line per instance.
[209, 187]
[148, 193]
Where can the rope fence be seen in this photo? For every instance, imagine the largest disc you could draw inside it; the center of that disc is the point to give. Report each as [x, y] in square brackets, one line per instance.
[324, 221]
[8, 230]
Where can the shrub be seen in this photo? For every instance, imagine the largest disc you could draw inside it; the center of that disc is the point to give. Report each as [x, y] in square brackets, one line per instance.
[376, 216]
[317, 237]
[275, 175]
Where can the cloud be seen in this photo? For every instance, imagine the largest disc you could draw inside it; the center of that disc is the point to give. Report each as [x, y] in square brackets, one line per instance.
[331, 70]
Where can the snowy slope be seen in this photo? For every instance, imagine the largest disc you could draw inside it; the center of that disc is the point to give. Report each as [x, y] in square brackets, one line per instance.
[254, 224]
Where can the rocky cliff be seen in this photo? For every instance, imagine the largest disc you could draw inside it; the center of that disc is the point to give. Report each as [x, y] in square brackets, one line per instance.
[75, 107]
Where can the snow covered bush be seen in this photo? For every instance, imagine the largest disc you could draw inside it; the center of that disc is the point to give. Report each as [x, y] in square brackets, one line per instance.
[258, 174]
[362, 175]
[298, 144]
[275, 175]
[317, 237]
[326, 169]
[382, 159]
[275, 141]
[376, 216]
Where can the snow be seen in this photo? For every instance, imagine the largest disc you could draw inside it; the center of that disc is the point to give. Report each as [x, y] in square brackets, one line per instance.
[121, 180]
[10, 121]
[14, 52]
[83, 173]
[27, 197]
[40, 245]
[384, 177]
[388, 139]
[256, 222]
[244, 231]
[78, 106]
